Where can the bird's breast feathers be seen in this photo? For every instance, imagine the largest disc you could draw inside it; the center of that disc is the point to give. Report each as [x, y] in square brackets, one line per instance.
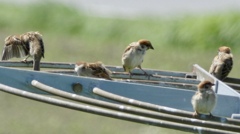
[133, 59]
[204, 103]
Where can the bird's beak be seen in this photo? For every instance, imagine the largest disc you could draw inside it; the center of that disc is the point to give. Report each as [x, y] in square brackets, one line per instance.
[151, 47]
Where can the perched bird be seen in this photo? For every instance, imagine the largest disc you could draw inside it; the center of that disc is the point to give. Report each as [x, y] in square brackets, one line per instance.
[133, 55]
[222, 63]
[29, 44]
[97, 70]
[204, 99]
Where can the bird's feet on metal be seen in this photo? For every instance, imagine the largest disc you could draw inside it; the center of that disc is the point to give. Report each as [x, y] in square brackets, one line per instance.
[27, 62]
[210, 115]
[148, 75]
[130, 75]
[195, 114]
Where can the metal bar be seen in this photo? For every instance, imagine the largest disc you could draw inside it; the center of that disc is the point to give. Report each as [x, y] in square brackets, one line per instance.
[164, 84]
[141, 104]
[232, 80]
[159, 108]
[64, 65]
[156, 78]
[109, 113]
[142, 112]
[57, 65]
[149, 71]
[216, 87]
[69, 72]
[184, 83]
[236, 87]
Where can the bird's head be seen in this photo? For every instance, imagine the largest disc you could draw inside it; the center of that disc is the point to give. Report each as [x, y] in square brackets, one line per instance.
[205, 86]
[24, 38]
[34, 35]
[224, 49]
[81, 63]
[145, 43]
[79, 66]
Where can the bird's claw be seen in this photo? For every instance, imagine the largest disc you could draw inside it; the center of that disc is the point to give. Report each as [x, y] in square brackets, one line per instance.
[195, 114]
[130, 75]
[211, 116]
[148, 75]
[24, 61]
[27, 62]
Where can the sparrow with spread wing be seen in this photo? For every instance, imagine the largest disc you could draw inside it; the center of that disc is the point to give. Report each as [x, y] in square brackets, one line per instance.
[222, 63]
[204, 99]
[29, 44]
[133, 55]
[14, 47]
[97, 70]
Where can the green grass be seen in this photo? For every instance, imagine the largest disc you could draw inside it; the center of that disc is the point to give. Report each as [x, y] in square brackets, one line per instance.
[77, 36]
[70, 35]
[196, 32]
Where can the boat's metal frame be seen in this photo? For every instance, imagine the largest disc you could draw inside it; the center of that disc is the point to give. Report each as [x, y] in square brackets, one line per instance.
[165, 92]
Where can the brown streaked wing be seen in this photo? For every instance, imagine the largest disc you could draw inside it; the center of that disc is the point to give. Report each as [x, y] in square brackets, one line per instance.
[95, 66]
[39, 37]
[214, 65]
[100, 71]
[133, 44]
[227, 67]
[13, 48]
[42, 46]
[102, 75]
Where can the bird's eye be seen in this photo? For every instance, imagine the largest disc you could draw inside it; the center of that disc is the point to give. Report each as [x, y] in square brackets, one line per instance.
[207, 86]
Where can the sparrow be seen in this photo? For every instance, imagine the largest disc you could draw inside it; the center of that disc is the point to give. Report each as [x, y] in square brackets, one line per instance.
[29, 44]
[134, 54]
[222, 63]
[97, 70]
[204, 99]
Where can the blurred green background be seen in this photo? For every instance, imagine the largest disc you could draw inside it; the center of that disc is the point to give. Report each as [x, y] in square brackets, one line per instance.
[70, 36]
